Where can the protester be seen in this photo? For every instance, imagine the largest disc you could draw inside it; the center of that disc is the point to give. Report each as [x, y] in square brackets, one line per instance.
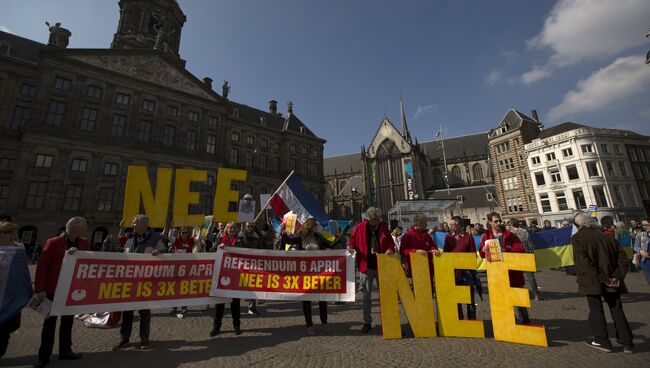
[460, 241]
[445, 227]
[229, 239]
[417, 240]
[641, 248]
[369, 238]
[184, 243]
[248, 238]
[601, 265]
[142, 240]
[508, 242]
[479, 229]
[268, 236]
[547, 226]
[522, 234]
[308, 238]
[534, 227]
[21, 292]
[47, 276]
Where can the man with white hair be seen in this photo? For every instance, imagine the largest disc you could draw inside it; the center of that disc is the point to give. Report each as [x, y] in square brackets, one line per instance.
[47, 276]
[601, 265]
[141, 240]
[369, 238]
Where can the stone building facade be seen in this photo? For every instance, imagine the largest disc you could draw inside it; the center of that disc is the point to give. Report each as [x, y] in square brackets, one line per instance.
[73, 120]
[512, 181]
[574, 166]
[395, 167]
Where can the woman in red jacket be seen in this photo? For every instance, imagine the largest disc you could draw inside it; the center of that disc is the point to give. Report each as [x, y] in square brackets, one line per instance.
[417, 240]
[184, 243]
[509, 242]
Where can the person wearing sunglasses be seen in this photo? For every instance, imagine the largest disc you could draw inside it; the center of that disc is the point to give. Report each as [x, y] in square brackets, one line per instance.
[509, 242]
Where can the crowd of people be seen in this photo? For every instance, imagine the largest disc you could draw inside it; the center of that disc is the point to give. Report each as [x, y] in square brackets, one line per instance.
[600, 261]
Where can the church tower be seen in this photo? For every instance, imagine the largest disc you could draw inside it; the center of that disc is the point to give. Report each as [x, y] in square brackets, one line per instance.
[149, 24]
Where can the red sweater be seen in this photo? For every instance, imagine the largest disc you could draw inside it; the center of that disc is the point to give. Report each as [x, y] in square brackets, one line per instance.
[413, 241]
[49, 265]
[183, 246]
[509, 243]
[459, 243]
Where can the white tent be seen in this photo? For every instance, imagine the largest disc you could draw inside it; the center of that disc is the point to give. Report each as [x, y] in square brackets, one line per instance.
[403, 211]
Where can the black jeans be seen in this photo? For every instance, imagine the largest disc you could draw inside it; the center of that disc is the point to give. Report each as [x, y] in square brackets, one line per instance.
[11, 325]
[127, 325]
[465, 279]
[234, 311]
[306, 308]
[47, 337]
[598, 325]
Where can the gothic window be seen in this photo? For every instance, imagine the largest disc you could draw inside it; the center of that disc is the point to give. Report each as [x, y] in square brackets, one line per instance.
[477, 170]
[456, 172]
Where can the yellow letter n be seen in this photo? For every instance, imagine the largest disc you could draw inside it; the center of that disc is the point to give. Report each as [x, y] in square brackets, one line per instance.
[418, 305]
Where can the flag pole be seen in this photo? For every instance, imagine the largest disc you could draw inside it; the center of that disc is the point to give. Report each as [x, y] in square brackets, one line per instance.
[269, 200]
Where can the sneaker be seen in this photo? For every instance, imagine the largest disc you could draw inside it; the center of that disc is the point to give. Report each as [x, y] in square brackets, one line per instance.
[365, 328]
[628, 349]
[144, 345]
[215, 331]
[253, 311]
[180, 315]
[120, 345]
[310, 331]
[237, 331]
[598, 346]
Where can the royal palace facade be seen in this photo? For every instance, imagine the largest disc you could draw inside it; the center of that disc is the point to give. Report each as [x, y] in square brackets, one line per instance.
[73, 120]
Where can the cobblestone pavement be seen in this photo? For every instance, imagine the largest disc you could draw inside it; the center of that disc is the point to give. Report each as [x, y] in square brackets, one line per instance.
[277, 338]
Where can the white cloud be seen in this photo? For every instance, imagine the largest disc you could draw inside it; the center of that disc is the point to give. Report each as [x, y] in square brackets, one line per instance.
[535, 74]
[510, 55]
[581, 30]
[5, 29]
[623, 78]
[426, 109]
[493, 77]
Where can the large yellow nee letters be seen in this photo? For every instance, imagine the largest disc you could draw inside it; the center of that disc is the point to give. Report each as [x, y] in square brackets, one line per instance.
[156, 204]
[419, 307]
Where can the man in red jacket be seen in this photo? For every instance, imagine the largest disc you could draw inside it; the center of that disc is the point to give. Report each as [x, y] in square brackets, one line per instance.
[368, 239]
[47, 276]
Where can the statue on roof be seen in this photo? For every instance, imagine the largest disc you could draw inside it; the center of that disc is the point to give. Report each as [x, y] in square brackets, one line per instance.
[59, 36]
[162, 37]
[225, 89]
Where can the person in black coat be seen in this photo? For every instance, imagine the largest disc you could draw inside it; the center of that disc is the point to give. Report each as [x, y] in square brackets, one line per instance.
[601, 265]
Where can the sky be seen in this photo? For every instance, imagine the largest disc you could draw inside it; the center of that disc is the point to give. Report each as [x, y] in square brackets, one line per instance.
[456, 65]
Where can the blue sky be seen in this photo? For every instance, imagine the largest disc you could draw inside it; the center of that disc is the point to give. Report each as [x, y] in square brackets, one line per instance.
[457, 64]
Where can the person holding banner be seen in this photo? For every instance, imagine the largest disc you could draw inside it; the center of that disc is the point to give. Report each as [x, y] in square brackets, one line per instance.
[458, 240]
[369, 238]
[183, 243]
[47, 276]
[229, 239]
[141, 240]
[248, 238]
[15, 285]
[308, 238]
[508, 242]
